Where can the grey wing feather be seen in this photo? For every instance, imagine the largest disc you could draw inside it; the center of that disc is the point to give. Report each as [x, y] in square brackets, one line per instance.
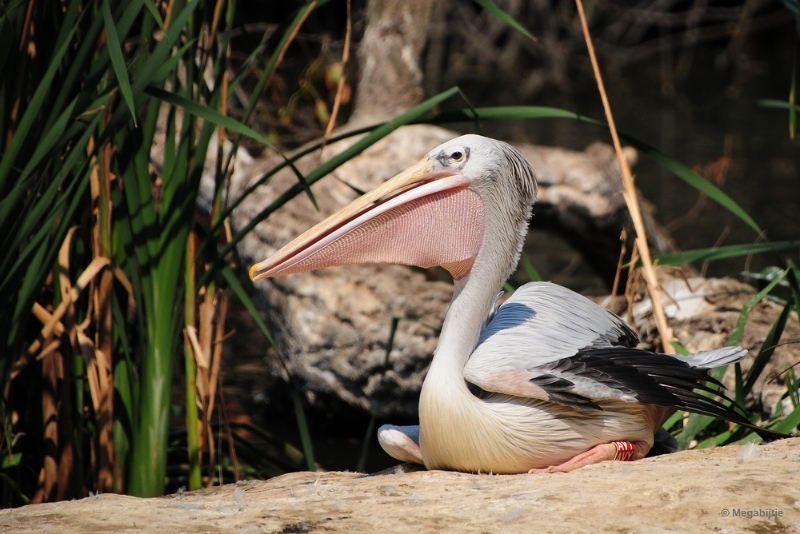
[540, 324]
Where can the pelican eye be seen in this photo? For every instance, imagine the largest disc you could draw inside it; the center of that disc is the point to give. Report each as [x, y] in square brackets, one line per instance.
[458, 154]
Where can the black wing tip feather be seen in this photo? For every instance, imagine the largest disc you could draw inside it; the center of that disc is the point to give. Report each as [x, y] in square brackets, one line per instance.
[651, 378]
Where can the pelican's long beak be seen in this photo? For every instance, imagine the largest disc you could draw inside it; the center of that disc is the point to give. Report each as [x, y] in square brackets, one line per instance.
[424, 216]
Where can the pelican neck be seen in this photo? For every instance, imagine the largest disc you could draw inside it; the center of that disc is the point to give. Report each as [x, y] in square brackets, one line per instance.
[472, 300]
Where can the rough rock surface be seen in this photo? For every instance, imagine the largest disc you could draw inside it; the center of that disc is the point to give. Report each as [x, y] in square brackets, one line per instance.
[712, 490]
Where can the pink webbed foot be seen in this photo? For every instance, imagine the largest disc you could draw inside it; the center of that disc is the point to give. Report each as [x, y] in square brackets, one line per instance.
[623, 451]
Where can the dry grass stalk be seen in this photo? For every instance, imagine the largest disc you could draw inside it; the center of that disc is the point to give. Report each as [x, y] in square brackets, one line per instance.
[213, 310]
[219, 339]
[342, 79]
[206, 345]
[49, 484]
[631, 199]
[52, 373]
[169, 12]
[100, 182]
[53, 321]
[56, 472]
[203, 358]
[620, 265]
[633, 283]
[216, 352]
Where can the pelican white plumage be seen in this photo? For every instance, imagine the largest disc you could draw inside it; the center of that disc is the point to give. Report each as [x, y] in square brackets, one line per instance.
[547, 380]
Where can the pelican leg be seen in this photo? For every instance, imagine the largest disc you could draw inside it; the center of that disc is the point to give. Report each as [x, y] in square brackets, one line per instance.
[623, 451]
[401, 442]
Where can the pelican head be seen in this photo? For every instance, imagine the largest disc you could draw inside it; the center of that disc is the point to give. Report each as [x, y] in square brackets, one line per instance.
[466, 192]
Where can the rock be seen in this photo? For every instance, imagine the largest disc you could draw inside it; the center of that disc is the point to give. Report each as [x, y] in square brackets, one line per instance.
[727, 489]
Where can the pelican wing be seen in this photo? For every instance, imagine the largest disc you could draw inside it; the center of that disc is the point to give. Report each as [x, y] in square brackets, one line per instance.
[547, 342]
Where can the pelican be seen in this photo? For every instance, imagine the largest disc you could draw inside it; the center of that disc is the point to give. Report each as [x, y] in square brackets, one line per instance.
[548, 380]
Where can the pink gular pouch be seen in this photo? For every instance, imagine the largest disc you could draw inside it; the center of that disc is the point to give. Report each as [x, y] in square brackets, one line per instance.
[416, 218]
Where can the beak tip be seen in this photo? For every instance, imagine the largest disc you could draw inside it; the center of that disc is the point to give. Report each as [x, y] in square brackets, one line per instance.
[253, 272]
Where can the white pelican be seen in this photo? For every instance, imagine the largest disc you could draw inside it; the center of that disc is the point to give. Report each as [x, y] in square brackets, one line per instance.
[547, 380]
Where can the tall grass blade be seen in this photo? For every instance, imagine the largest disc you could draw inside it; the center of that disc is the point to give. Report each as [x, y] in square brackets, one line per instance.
[117, 61]
[767, 348]
[533, 274]
[299, 411]
[362, 457]
[718, 253]
[14, 488]
[793, 96]
[792, 5]
[168, 67]
[6, 36]
[793, 87]
[288, 36]
[159, 230]
[277, 55]
[738, 330]
[695, 180]
[789, 423]
[776, 104]
[151, 7]
[674, 418]
[364, 454]
[193, 427]
[44, 88]
[492, 8]
[207, 113]
[302, 424]
[244, 298]
[697, 423]
[721, 439]
[289, 457]
[793, 277]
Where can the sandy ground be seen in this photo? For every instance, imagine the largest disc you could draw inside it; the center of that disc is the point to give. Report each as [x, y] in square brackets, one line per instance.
[730, 489]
